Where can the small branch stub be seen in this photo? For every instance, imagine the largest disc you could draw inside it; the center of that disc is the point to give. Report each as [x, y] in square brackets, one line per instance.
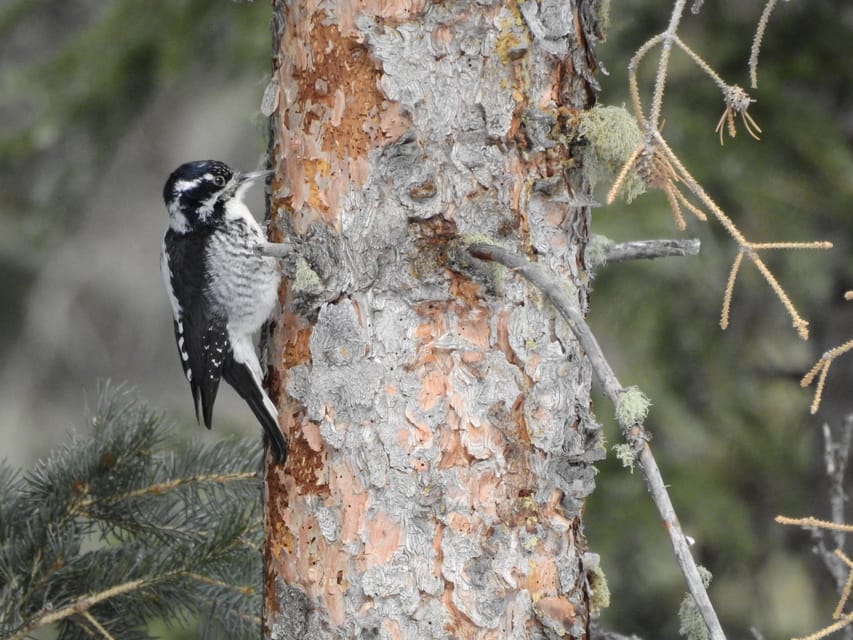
[651, 249]
[273, 249]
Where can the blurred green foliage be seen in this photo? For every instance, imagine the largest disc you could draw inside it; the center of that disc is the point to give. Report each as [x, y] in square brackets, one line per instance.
[731, 425]
[74, 77]
[76, 74]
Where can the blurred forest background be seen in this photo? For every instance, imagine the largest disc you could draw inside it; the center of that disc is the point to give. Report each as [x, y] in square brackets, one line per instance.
[99, 101]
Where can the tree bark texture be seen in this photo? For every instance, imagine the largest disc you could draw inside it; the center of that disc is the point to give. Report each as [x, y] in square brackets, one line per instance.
[437, 409]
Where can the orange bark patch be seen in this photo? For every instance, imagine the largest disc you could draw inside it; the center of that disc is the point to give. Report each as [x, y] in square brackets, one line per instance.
[422, 435]
[502, 338]
[558, 609]
[342, 77]
[348, 494]
[443, 34]
[436, 547]
[472, 357]
[460, 625]
[319, 568]
[305, 459]
[436, 325]
[316, 173]
[393, 629]
[433, 388]
[461, 523]
[485, 491]
[474, 326]
[336, 117]
[541, 578]
[382, 538]
[275, 512]
[481, 441]
[391, 12]
[294, 338]
[453, 453]
[335, 561]
[311, 432]
[553, 513]
[465, 290]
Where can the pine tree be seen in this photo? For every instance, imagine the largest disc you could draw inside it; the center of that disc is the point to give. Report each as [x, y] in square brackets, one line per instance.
[118, 529]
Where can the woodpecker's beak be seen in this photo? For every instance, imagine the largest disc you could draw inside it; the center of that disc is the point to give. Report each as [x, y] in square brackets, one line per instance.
[251, 176]
[242, 181]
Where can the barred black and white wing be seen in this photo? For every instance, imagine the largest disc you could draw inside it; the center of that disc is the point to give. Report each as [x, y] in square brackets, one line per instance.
[200, 334]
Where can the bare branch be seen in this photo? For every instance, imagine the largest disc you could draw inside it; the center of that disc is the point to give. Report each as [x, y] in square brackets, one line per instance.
[651, 249]
[730, 287]
[835, 456]
[756, 42]
[100, 628]
[843, 622]
[556, 294]
[702, 64]
[80, 606]
[821, 367]
[663, 62]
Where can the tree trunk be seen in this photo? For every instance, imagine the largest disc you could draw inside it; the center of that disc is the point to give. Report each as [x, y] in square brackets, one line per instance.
[438, 411]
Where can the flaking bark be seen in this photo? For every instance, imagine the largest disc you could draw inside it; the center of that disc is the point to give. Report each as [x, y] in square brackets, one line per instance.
[438, 413]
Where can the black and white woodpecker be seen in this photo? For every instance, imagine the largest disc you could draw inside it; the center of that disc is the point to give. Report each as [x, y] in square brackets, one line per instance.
[221, 291]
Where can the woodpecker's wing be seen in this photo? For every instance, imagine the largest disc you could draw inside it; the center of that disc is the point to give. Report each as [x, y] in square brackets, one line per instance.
[243, 372]
[200, 334]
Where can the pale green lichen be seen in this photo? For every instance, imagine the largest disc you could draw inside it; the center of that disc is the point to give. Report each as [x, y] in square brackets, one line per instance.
[595, 255]
[632, 407]
[612, 135]
[306, 279]
[625, 454]
[691, 625]
[481, 238]
[599, 592]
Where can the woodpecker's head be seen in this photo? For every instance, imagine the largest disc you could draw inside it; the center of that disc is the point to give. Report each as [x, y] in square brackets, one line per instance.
[196, 192]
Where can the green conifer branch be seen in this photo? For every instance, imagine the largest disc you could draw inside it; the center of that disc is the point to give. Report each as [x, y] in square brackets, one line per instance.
[115, 530]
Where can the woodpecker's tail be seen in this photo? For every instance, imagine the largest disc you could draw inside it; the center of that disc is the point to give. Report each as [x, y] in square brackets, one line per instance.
[240, 376]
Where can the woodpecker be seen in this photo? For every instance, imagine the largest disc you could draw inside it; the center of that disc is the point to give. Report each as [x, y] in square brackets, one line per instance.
[220, 290]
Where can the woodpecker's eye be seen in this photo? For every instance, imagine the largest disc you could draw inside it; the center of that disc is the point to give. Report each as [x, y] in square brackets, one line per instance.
[219, 181]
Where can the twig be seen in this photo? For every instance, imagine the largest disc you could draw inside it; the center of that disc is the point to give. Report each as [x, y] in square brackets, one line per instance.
[654, 162]
[274, 249]
[811, 521]
[701, 64]
[98, 626]
[82, 605]
[597, 633]
[756, 42]
[660, 78]
[633, 86]
[651, 249]
[730, 287]
[822, 367]
[557, 295]
[163, 487]
[843, 622]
